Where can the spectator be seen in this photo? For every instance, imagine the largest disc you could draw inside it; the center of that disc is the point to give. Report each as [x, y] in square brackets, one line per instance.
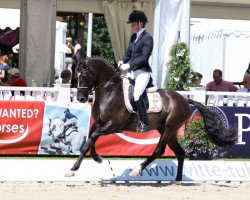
[14, 79]
[77, 52]
[219, 84]
[246, 81]
[56, 76]
[69, 55]
[4, 67]
[66, 76]
[196, 82]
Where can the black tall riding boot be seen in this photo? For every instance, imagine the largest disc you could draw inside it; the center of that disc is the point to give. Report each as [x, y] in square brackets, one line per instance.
[142, 114]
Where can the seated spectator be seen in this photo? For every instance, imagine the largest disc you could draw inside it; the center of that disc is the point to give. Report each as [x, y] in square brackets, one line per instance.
[66, 76]
[219, 84]
[246, 81]
[14, 79]
[196, 82]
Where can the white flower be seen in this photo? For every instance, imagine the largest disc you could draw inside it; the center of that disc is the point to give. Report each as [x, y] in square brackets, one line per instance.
[180, 54]
[176, 79]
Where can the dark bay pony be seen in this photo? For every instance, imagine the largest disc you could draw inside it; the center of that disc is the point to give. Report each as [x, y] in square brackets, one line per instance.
[111, 116]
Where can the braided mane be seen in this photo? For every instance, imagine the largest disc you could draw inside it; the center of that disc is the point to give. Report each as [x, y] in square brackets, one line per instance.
[104, 60]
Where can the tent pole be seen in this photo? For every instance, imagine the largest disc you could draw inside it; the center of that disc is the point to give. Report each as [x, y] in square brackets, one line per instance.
[89, 41]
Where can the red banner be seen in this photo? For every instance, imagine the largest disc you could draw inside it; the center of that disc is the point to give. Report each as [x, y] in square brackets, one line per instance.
[24, 129]
[20, 126]
[130, 144]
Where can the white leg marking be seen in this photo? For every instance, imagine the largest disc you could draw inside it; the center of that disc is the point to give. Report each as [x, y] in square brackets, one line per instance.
[70, 173]
[136, 171]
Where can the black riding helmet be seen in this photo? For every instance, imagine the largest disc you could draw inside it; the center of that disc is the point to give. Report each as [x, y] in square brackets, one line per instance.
[137, 16]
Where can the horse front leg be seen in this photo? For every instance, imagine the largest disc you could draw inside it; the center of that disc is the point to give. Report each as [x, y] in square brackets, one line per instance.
[78, 162]
[107, 128]
[93, 153]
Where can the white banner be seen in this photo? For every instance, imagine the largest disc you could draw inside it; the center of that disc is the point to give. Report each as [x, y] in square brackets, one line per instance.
[118, 170]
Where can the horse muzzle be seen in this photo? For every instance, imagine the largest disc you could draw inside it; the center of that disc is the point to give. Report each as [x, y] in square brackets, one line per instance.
[82, 94]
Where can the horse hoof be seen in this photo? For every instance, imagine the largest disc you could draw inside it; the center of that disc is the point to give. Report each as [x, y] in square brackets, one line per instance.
[70, 173]
[178, 182]
[99, 160]
[136, 171]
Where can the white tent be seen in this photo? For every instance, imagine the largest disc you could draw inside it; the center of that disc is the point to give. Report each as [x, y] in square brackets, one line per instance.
[9, 18]
[220, 44]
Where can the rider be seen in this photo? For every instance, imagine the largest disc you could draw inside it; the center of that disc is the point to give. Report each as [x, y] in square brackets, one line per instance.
[136, 61]
[69, 120]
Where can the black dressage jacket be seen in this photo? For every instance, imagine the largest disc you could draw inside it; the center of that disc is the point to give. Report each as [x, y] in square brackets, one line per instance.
[138, 52]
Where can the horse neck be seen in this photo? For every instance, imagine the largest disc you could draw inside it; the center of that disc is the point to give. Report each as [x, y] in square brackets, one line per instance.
[105, 75]
[106, 79]
[108, 85]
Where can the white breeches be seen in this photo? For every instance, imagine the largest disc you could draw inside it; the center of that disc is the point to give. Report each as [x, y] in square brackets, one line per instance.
[141, 81]
[71, 121]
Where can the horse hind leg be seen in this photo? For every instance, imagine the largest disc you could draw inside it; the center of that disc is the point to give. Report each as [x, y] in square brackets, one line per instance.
[180, 154]
[159, 150]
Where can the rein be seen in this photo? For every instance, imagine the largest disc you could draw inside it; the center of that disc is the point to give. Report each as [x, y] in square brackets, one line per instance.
[104, 82]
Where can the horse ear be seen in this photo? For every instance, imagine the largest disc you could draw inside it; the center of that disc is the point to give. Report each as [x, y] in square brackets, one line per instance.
[83, 63]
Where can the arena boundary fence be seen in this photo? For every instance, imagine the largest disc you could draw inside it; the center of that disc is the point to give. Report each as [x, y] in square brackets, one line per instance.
[64, 93]
[19, 169]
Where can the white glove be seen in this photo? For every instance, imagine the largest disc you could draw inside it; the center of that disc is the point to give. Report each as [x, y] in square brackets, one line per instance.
[120, 63]
[124, 66]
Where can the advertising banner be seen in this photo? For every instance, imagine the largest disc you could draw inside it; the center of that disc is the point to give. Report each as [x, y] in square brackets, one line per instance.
[20, 126]
[65, 128]
[51, 128]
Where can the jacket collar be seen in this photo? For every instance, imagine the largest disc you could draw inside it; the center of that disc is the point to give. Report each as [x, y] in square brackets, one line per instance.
[140, 34]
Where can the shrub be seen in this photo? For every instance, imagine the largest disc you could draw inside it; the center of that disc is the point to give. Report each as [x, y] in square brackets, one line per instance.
[180, 70]
[196, 144]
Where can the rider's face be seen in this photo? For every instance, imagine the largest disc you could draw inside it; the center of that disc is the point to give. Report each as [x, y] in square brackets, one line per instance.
[136, 26]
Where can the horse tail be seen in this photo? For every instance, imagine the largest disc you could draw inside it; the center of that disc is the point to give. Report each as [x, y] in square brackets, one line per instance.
[214, 128]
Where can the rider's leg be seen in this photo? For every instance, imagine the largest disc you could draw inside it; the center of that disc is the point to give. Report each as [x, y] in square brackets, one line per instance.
[67, 124]
[141, 81]
[142, 114]
[62, 134]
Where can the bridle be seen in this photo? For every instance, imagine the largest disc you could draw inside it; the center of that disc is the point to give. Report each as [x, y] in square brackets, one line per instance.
[79, 73]
[90, 74]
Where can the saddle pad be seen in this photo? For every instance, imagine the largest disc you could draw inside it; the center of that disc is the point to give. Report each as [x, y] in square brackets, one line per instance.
[154, 99]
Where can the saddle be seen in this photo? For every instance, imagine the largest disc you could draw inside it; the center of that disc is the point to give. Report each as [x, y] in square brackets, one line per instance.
[151, 97]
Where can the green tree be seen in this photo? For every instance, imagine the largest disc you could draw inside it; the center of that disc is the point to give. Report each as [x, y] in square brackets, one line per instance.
[101, 43]
[180, 68]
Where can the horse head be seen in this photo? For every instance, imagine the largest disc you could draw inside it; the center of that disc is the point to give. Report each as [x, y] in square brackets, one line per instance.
[91, 74]
[55, 126]
[85, 79]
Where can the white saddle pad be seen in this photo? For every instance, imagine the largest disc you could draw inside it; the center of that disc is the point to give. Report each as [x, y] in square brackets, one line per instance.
[154, 99]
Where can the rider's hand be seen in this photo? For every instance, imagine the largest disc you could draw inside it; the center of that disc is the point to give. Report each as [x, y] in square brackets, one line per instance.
[120, 63]
[124, 66]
